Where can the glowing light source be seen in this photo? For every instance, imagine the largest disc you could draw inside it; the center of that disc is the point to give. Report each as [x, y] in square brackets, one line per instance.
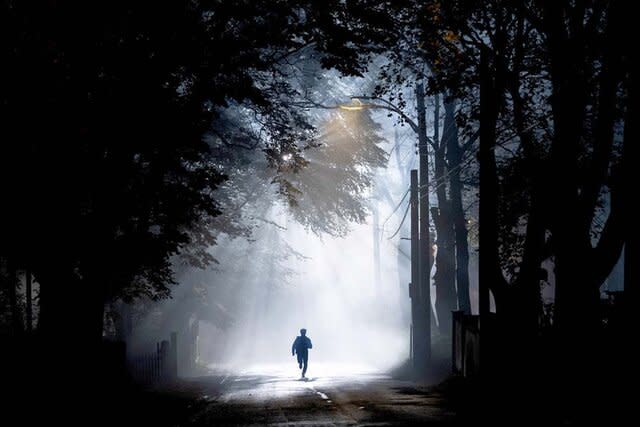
[287, 157]
[356, 105]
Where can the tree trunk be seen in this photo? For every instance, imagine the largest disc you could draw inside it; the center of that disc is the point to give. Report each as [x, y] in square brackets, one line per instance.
[124, 321]
[526, 307]
[490, 276]
[12, 283]
[527, 304]
[70, 331]
[631, 176]
[454, 160]
[71, 310]
[28, 301]
[576, 310]
[444, 278]
[489, 271]
[576, 298]
[631, 255]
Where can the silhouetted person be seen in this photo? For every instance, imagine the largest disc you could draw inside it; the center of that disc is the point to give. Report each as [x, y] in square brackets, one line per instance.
[301, 346]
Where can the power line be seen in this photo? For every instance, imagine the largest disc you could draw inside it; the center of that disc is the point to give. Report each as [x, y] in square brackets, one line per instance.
[406, 211]
[396, 208]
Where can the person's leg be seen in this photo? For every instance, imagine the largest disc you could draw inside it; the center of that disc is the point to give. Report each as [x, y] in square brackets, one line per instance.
[305, 360]
[299, 361]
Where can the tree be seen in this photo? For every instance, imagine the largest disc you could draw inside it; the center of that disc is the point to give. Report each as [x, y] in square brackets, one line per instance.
[585, 90]
[110, 129]
[445, 276]
[455, 165]
[328, 190]
[553, 157]
[332, 188]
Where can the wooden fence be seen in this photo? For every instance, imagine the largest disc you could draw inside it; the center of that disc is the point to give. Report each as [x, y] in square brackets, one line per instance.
[147, 368]
[155, 366]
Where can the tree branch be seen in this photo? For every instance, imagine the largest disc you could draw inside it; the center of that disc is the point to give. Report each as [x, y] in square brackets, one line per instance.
[281, 227]
[473, 138]
[227, 142]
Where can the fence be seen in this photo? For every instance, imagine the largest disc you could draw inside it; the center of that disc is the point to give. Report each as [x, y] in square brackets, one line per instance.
[465, 344]
[147, 368]
[156, 366]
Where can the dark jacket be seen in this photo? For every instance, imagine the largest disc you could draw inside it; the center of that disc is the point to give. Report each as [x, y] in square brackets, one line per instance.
[301, 345]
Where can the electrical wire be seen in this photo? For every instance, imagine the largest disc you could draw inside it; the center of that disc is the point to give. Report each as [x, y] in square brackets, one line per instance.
[401, 222]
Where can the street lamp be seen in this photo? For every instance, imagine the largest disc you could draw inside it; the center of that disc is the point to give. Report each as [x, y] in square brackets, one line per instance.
[356, 105]
[423, 348]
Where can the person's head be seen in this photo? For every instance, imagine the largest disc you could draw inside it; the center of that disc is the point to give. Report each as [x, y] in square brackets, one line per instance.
[303, 332]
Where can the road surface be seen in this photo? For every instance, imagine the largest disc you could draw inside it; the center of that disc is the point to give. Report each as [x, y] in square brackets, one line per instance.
[335, 395]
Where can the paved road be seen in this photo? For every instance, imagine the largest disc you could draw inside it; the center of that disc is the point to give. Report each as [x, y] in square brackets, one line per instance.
[331, 396]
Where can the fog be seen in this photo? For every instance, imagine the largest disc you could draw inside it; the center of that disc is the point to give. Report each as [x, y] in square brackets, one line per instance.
[282, 277]
[285, 277]
[328, 288]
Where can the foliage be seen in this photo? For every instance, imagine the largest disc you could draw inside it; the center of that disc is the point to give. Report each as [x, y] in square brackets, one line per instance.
[105, 105]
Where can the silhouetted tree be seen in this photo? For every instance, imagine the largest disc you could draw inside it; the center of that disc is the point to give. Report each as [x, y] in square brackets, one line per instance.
[105, 106]
[445, 276]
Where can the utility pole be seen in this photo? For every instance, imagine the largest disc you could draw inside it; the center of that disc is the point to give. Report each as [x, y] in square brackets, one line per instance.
[420, 280]
[425, 246]
[414, 293]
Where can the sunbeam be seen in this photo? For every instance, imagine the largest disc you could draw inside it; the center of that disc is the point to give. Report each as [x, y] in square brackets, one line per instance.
[331, 293]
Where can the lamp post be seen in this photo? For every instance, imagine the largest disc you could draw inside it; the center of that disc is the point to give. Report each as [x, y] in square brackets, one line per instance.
[421, 312]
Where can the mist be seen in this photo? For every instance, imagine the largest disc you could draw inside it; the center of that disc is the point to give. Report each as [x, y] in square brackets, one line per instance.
[439, 193]
[330, 290]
